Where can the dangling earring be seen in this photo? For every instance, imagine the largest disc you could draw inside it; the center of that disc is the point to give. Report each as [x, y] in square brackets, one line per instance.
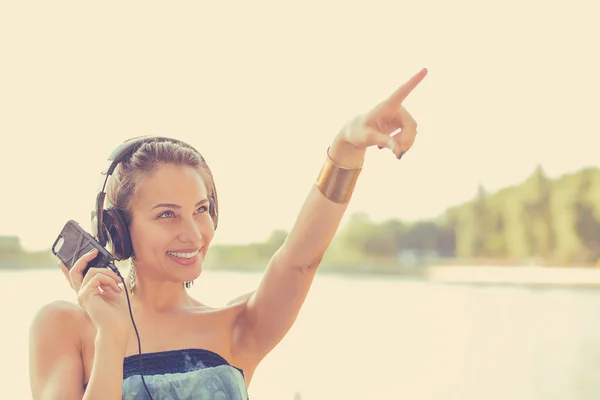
[131, 277]
[188, 284]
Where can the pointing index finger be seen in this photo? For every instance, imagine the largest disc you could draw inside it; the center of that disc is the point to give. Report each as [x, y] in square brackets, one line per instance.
[403, 91]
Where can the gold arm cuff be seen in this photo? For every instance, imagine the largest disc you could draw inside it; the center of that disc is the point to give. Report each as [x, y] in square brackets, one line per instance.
[337, 183]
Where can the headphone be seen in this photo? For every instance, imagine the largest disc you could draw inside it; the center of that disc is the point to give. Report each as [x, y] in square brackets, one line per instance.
[111, 223]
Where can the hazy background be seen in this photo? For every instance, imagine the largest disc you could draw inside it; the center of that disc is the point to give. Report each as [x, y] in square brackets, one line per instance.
[503, 173]
[261, 88]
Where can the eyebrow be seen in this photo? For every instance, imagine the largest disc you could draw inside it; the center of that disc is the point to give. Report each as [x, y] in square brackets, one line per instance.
[170, 205]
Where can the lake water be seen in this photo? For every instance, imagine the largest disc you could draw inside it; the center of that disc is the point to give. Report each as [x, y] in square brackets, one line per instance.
[383, 338]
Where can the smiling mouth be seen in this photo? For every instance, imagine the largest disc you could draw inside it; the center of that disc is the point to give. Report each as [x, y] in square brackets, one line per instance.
[183, 255]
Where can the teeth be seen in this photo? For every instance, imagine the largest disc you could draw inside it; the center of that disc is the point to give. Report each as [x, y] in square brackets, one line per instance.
[182, 255]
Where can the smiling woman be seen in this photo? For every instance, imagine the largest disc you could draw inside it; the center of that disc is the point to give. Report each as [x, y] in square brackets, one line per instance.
[162, 213]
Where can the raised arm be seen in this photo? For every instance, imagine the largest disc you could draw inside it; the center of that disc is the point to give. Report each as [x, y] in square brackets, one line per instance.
[272, 309]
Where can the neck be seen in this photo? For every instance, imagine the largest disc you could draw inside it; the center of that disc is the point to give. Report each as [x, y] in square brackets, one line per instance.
[154, 295]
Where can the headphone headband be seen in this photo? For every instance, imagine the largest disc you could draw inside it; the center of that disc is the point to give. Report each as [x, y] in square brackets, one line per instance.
[122, 152]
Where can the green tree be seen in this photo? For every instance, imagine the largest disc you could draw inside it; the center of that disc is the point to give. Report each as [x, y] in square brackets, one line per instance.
[587, 223]
[538, 220]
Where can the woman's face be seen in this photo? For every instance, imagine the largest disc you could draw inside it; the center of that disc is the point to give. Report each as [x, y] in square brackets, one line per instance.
[171, 227]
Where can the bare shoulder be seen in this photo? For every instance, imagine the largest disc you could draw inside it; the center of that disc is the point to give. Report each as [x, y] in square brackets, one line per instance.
[58, 325]
[55, 364]
[240, 301]
[58, 316]
[224, 315]
[232, 307]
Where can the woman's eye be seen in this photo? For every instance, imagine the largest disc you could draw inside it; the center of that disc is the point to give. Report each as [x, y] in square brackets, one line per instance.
[202, 209]
[166, 214]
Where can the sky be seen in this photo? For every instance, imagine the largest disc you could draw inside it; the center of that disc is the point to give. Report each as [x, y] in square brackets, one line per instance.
[261, 89]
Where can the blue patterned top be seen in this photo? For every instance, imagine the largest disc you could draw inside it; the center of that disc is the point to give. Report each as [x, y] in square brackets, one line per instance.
[196, 374]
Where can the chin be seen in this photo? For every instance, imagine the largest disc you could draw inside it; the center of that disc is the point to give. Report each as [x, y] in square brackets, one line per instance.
[193, 273]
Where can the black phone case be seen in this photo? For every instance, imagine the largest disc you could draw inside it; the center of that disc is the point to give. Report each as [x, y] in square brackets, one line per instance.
[75, 243]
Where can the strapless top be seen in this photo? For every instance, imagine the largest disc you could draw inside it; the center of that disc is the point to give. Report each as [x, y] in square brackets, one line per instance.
[196, 374]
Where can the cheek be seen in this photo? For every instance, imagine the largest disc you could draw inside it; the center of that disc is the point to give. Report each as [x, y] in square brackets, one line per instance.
[145, 238]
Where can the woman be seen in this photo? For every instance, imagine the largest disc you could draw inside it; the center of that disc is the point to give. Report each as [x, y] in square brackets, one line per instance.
[190, 350]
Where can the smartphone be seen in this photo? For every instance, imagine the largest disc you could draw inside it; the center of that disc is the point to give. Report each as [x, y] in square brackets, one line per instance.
[73, 242]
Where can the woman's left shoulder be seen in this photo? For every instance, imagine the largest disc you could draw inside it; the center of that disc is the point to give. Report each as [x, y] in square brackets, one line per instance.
[230, 311]
[233, 306]
[240, 301]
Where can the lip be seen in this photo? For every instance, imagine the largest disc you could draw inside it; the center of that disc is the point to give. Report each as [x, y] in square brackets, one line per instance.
[186, 261]
[193, 250]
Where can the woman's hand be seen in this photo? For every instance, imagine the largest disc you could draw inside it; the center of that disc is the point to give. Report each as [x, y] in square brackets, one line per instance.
[376, 126]
[100, 295]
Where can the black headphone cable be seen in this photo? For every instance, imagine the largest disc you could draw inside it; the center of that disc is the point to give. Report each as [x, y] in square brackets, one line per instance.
[116, 271]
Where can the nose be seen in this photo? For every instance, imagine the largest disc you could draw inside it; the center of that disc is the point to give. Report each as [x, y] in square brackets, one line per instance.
[190, 231]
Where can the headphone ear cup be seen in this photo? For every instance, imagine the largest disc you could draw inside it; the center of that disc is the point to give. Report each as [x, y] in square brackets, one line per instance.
[117, 230]
[212, 210]
[211, 207]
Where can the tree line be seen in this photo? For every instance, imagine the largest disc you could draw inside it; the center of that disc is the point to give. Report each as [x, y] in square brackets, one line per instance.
[552, 222]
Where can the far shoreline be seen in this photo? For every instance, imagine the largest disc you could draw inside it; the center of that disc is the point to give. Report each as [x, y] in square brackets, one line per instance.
[480, 275]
